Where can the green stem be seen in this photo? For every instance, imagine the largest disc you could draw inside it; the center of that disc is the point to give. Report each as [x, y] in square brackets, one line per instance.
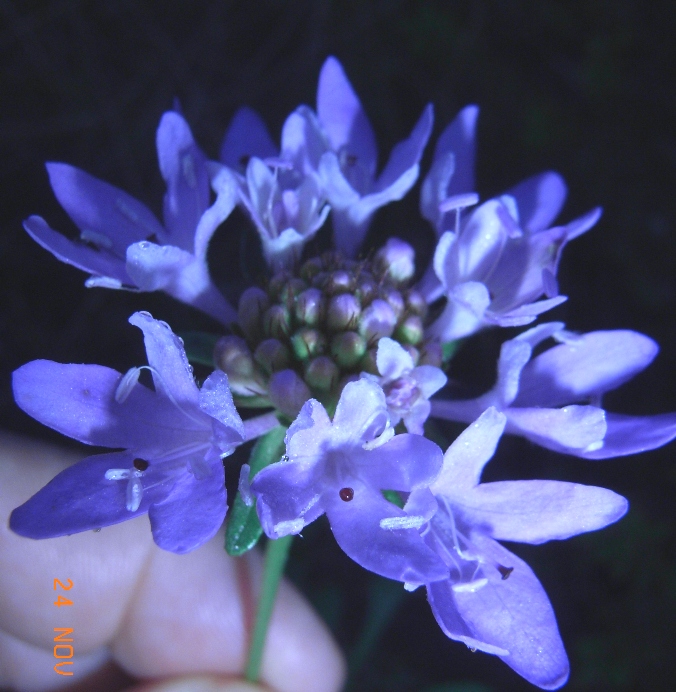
[276, 554]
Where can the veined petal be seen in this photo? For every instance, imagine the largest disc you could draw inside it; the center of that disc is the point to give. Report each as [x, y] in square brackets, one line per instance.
[465, 459]
[80, 498]
[245, 137]
[585, 367]
[632, 435]
[100, 262]
[539, 511]
[515, 614]
[102, 208]
[464, 313]
[172, 374]
[539, 200]
[481, 243]
[79, 401]
[303, 141]
[343, 117]
[183, 167]
[398, 554]
[192, 512]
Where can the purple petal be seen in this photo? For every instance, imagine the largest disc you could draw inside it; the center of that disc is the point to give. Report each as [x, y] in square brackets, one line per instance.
[245, 137]
[585, 367]
[215, 399]
[392, 359]
[539, 200]
[398, 554]
[570, 430]
[524, 314]
[79, 401]
[303, 141]
[479, 247]
[343, 117]
[538, 511]
[464, 313]
[452, 171]
[192, 512]
[518, 277]
[633, 434]
[98, 262]
[406, 154]
[102, 208]
[289, 495]
[80, 498]
[361, 413]
[583, 223]
[470, 452]
[404, 463]
[172, 374]
[183, 167]
[513, 614]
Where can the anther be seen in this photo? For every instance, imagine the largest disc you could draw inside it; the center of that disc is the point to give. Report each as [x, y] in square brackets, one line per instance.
[141, 464]
[505, 571]
[346, 494]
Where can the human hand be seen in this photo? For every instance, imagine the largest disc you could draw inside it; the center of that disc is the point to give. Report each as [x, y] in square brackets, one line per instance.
[139, 613]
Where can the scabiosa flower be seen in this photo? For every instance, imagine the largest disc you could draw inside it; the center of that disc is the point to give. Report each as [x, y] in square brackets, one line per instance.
[174, 439]
[123, 245]
[555, 398]
[407, 387]
[495, 264]
[492, 601]
[349, 168]
[283, 193]
[340, 468]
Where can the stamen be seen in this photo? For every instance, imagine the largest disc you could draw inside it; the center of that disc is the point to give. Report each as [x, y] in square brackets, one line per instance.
[284, 528]
[117, 474]
[127, 383]
[141, 464]
[244, 487]
[134, 493]
[471, 586]
[393, 523]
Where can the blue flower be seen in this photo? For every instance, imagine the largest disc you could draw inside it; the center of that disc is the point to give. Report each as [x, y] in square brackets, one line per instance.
[174, 439]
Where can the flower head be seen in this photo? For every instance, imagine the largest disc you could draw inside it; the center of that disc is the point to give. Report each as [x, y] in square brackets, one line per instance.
[340, 468]
[173, 439]
[492, 601]
[554, 399]
[123, 245]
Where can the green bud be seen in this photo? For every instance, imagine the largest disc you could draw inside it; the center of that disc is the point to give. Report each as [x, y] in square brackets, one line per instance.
[252, 304]
[307, 343]
[343, 312]
[322, 374]
[277, 322]
[410, 331]
[416, 304]
[310, 307]
[348, 348]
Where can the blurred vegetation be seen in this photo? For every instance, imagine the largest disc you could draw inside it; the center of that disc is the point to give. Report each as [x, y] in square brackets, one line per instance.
[583, 87]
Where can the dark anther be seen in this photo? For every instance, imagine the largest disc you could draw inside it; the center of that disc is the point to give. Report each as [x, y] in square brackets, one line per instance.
[346, 494]
[351, 160]
[244, 160]
[141, 464]
[505, 571]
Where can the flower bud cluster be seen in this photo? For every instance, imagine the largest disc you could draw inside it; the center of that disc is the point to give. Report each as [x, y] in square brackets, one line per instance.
[323, 323]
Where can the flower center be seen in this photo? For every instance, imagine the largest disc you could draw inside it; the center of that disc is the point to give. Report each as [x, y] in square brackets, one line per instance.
[324, 322]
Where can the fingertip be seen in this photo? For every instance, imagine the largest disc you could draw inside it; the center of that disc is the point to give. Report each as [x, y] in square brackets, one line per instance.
[197, 684]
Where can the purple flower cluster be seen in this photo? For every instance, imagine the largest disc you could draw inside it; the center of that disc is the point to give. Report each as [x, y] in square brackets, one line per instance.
[348, 354]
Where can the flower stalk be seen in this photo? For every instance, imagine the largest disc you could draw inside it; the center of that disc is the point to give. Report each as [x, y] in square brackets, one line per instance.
[276, 555]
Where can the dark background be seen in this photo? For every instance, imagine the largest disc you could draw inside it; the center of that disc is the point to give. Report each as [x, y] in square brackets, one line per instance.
[584, 88]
